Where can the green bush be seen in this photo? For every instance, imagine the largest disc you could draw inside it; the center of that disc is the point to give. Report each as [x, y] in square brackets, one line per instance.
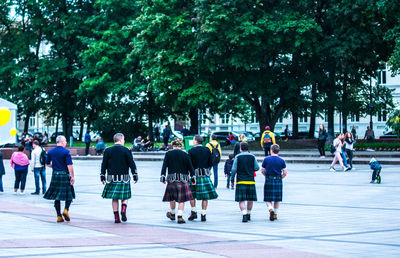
[377, 145]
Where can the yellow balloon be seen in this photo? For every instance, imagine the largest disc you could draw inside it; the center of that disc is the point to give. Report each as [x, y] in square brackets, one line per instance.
[13, 132]
[5, 116]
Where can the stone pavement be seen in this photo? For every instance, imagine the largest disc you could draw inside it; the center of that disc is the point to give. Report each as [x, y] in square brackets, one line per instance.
[324, 214]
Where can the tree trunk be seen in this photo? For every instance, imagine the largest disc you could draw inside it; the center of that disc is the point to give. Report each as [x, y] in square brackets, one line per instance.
[314, 108]
[194, 120]
[57, 121]
[295, 124]
[150, 109]
[331, 124]
[67, 121]
[26, 122]
[345, 112]
[82, 122]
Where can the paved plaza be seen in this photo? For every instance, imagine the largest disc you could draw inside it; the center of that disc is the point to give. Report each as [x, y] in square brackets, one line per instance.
[324, 214]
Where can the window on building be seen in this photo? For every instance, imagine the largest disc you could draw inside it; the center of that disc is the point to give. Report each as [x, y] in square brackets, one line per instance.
[303, 118]
[203, 117]
[355, 117]
[326, 117]
[382, 116]
[225, 118]
[32, 121]
[381, 76]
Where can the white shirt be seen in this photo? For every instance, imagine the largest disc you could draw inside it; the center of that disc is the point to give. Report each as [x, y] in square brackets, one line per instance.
[338, 146]
[35, 157]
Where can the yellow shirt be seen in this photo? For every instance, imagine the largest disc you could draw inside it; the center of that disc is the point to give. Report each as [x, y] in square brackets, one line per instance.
[214, 144]
[271, 134]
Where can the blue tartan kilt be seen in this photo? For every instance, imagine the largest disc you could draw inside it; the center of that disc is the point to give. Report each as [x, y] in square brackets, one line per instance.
[204, 189]
[273, 190]
[117, 191]
[245, 192]
[178, 191]
[60, 188]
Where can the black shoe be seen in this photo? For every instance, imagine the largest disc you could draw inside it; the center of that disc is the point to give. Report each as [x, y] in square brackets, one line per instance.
[181, 220]
[123, 216]
[35, 193]
[248, 217]
[245, 218]
[170, 216]
[271, 215]
[193, 215]
[203, 217]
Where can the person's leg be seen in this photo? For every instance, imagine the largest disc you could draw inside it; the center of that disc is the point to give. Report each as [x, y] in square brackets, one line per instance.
[43, 178]
[204, 204]
[66, 210]
[215, 168]
[319, 148]
[266, 151]
[276, 207]
[57, 206]
[124, 206]
[115, 210]
[323, 147]
[344, 158]
[335, 159]
[193, 213]
[374, 175]
[228, 180]
[339, 158]
[87, 148]
[181, 206]
[242, 206]
[23, 179]
[17, 180]
[350, 155]
[249, 208]
[1, 183]
[36, 174]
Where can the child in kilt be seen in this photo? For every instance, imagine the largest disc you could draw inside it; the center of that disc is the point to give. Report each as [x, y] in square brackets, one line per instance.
[274, 169]
[228, 169]
[244, 165]
[62, 180]
[180, 174]
[204, 190]
[117, 161]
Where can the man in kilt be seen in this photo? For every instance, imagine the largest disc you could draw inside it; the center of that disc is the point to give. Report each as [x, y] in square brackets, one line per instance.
[180, 175]
[274, 169]
[204, 189]
[117, 160]
[244, 165]
[62, 180]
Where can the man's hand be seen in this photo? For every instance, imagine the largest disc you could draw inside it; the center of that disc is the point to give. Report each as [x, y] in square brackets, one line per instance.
[225, 175]
[103, 182]
[72, 180]
[284, 174]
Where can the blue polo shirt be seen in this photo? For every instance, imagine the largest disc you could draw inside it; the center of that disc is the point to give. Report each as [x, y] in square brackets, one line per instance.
[273, 165]
[59, 157]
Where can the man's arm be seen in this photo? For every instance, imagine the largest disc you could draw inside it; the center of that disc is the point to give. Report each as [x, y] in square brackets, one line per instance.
[234, 168]
[284, 173]
[71, 173]
[256, 166]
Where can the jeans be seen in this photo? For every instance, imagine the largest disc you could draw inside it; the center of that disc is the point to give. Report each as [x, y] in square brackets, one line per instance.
[344, 158]
[20, 177]
[350, 155]
[321, 147]
[87, 148]
[375, 174]
[215, 168]
[267, 148]
[40, 172]
[228, 180]
[1, 183]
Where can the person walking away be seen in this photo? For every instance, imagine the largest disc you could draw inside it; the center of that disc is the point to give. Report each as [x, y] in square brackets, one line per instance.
[180, 174]
[38, 162]
[337, 144]
[322, 136]
[157, 133]
[228, 169]
[349, 147]
[2, 172]
[62, 180]
[166, 134]
[215, 149]
[87, 142]
[369, 134]
[267, 139]
[20, 163]
[236, 150]
[203, 190]
[286, 133]
[244, 166]
[117, 161]
[274, 170]
[354, 132]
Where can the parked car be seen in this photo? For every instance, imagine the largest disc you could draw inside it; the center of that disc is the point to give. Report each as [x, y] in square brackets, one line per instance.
[249, 136]
[223, 135]
[389, 135]
[54, 136]
[38, 136]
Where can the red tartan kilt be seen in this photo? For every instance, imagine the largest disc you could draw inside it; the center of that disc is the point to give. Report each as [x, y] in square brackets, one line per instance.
[178, 191]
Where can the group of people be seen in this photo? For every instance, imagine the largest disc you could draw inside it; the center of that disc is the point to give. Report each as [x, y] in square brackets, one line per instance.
[140, 144]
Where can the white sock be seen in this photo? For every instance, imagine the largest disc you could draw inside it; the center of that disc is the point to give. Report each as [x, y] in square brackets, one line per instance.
[270, 208]
[180, 212]
[172, 212]
[244, 212]
[248, 211]
[194, 209]
[203, 212]
[276, 211]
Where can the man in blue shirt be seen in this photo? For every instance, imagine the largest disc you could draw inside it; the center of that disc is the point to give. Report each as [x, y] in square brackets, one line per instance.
[62, 181]
[87, 142]
[274, 169]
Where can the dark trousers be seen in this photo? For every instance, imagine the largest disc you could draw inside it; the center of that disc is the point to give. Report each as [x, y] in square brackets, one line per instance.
[40, 174]
[375, 174]
[350, 155]
[321, 147]
[1, 183]
[166, 139]
[20, 177]
[228, 180]
[215, 169]
[267, 148]
[87, 148]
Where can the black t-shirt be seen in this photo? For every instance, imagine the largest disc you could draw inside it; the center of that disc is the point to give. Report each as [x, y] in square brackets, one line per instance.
[200, 157]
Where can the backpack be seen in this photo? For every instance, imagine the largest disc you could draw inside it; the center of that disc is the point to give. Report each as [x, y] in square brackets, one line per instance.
[267, 138]
[43, 157]
[215, 155]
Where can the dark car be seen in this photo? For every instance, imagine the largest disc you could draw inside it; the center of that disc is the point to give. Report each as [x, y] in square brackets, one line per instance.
[389, 135]
[38, 136]
[223, 135]
[54, 136]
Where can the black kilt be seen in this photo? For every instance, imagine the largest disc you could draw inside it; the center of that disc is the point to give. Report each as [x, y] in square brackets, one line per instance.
[245, 192]
[178, 191]
[60, 187]
[273, 189]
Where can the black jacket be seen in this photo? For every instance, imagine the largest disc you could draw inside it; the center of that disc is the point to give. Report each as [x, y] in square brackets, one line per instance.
[200, 157]
[178, 162]
[244, 165]
[228, 166]
[117, 160]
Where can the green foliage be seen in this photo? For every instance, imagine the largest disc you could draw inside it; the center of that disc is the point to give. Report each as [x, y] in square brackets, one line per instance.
[377, 145]
[394, 121]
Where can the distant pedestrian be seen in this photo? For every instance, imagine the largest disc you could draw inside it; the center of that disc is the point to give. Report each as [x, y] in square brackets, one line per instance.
[287, 133]
[369, 134]
[354, 132]
[2, 172]
[349, 147]
[20, 163]
[100, 146]
[117, 160]
[267, 139]
[236, 150]
[338, 146]
[87, 142]
[185, 131]
[38, 162]
[274, 170]
[228, 170]
[216, 153]
[180, 175]
[63, 178]
[244, 166]
[157, 133]
[322, 136]
[166, 134]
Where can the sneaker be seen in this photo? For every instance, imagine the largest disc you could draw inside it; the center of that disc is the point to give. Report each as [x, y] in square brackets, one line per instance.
[35, 193]
[203, 217]
[22, 193]
[170, 216]
[181, 220]
[372, 182]
[66, 215]
[347, 169]
[193, 215]
[59, 219]
[332, 170]
[322, 157]
[245, 218]
[271, 215]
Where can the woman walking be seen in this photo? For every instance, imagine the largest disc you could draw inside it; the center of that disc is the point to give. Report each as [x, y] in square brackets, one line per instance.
[20, 163]
[338, 145]
[349, 143]
[322, 136]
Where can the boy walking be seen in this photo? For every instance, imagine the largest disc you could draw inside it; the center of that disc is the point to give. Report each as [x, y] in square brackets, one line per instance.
[244, 165]
[274, 169]
[38, 167]
[228, 170]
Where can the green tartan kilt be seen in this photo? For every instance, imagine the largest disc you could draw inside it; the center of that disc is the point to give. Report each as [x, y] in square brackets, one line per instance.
[204, 189]
[60, 188]
[245, 193]
[273, 190]
[117, 191]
